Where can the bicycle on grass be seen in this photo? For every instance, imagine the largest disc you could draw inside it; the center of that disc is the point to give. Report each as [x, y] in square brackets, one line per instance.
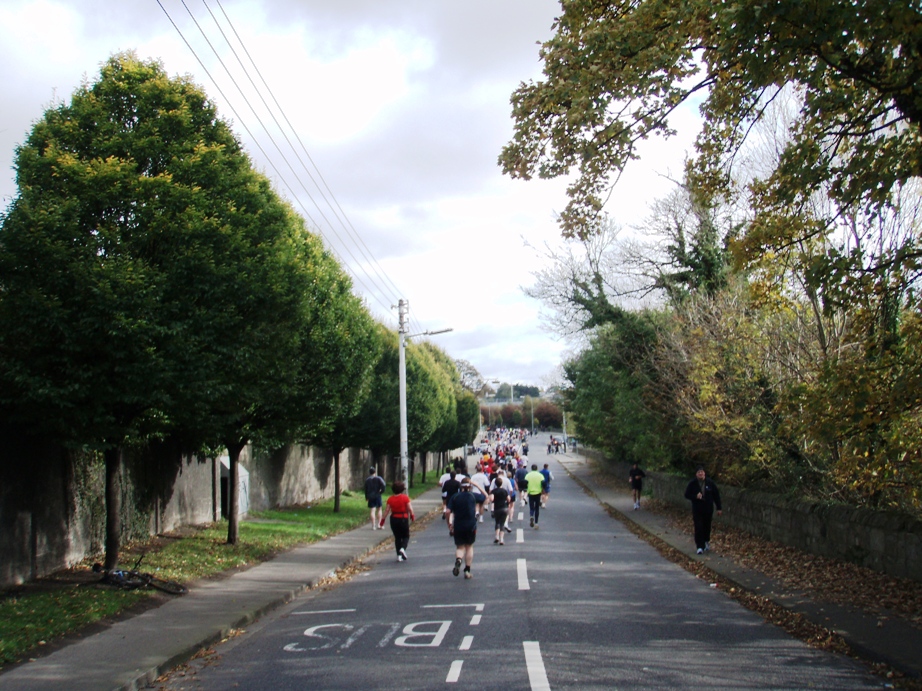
[132, 579]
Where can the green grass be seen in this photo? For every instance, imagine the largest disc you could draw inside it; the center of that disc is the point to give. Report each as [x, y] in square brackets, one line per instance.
[30, 620]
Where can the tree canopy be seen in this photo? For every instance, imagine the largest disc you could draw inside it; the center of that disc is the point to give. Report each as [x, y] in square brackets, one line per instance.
[615, 72]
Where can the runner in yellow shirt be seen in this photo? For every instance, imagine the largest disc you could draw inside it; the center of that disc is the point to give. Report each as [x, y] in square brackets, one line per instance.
[535, 487]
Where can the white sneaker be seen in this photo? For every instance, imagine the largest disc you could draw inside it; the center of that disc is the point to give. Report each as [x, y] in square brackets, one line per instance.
[403, 553]
[481, 518]
[700, 551]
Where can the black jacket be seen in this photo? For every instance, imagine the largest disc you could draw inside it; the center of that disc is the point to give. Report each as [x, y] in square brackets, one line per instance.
[711, 496]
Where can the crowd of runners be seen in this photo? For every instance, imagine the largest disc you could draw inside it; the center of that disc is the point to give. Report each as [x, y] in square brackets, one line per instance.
[502, 477]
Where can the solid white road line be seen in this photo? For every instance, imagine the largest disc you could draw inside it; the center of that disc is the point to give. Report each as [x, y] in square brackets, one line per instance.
[523, 574]
[466, 643]
[537, 676]
[520, 535]
[455, 672]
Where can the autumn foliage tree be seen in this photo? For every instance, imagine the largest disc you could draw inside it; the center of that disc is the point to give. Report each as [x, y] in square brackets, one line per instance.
[800, 370]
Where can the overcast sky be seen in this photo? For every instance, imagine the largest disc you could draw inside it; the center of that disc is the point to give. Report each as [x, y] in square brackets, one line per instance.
[403, 106]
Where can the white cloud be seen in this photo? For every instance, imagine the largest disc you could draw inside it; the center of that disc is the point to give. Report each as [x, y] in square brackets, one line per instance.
[403, 105]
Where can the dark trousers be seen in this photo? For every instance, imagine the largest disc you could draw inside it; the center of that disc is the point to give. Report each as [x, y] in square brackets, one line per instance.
[534, 506]
[401, 529]
[702, 520]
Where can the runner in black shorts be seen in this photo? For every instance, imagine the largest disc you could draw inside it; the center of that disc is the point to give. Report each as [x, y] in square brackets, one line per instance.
[501, 503]
[462, 524]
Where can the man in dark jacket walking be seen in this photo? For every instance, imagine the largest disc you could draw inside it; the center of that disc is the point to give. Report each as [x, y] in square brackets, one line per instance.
[704, 496]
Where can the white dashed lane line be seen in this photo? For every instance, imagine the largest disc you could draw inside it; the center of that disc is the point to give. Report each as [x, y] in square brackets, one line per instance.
[537, 676]
[454, 673]
[522, 570]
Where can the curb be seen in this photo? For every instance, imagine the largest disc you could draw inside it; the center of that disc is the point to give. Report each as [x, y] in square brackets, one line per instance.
[799, 606]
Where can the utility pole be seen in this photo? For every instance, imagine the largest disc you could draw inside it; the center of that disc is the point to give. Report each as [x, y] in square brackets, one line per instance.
[403, 308]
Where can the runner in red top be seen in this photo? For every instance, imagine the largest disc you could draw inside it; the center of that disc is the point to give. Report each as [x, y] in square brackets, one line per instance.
[401, 512]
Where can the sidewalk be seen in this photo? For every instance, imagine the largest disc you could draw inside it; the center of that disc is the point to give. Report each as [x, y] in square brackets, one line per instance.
[895, 642]
[133, 653]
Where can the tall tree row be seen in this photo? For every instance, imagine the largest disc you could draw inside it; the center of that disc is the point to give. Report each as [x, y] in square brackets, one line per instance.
[153, 285]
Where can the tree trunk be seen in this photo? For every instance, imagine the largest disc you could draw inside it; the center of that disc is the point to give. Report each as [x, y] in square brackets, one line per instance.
[113, 459]
[336, 479]
[233, 491]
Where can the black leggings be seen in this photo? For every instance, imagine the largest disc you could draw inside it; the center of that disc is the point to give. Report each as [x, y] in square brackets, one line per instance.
[401, 529]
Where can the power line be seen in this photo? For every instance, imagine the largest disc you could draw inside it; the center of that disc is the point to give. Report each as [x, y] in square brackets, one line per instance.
[384, 285]
[344, 219]
[268, 134]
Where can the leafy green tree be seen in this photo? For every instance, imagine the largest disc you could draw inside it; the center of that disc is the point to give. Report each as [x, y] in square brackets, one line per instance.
[350, 381]
[177, 295]
[137, 216]
[504, 392]
[468, 420]
[433, 416]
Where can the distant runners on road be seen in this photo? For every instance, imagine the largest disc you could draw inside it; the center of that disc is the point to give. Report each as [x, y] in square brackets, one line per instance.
[635, 479]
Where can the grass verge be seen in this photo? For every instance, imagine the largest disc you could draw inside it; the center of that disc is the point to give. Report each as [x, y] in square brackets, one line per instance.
[34, 616]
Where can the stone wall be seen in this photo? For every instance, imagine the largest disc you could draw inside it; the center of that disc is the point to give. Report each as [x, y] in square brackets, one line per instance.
[52, 511]
[890, 543]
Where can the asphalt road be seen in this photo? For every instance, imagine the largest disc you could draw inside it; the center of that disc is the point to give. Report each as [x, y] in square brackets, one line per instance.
[580, 603]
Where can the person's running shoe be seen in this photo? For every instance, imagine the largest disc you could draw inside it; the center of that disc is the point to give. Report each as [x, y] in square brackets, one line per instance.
[536, 525]
[481, 518]
[700, 551]
[467, 572]
[403, 553]
[496, 541]
[707, 546]
[501, 543]
[532, 523]
[507, 528]
[455, 571]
